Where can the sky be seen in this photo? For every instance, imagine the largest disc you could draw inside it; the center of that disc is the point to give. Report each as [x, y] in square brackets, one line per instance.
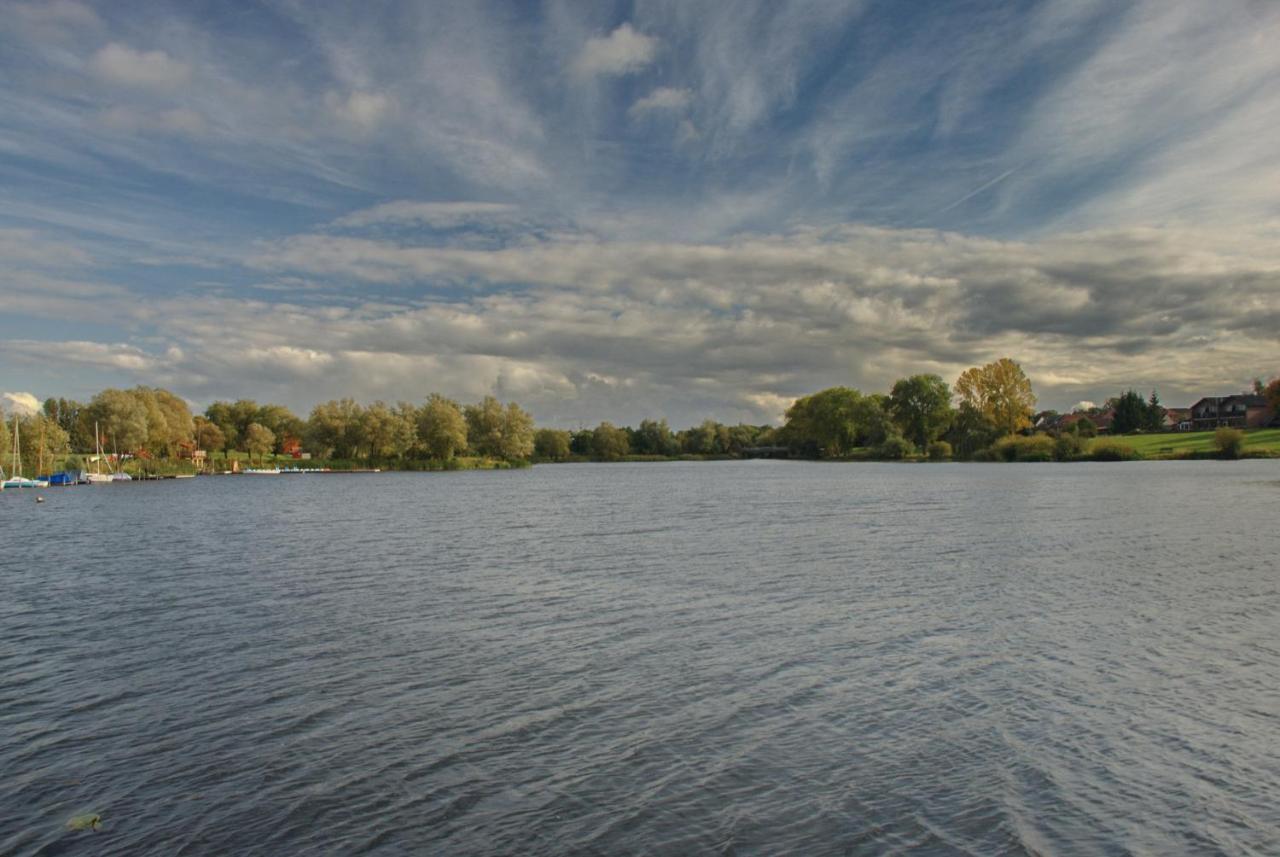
[637, 210]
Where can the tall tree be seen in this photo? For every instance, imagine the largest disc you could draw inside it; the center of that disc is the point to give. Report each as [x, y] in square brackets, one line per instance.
[442, 430]
[654, 437]
[517, 433]
[1155, 413]
[551, 444]
[334, 428]
[826, 423]
[609, 443]
[258, 440]
[1272, 392]
[971, 432]
[1130, 413]
[122, 420]
[1001, 392]
[282, 422]
[207, 434]
[387, 433]
[221, 415]
[484, 426]
[921, 407]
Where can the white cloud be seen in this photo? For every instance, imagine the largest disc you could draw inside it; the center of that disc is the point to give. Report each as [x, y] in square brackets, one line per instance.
[21, 403]
[662, 98]
[435, 214]
[31, 247]
[123, 65]
[179, 121]
[364, 109]
[623, 51]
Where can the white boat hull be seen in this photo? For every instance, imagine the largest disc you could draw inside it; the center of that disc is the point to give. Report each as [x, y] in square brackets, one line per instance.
[25, 483]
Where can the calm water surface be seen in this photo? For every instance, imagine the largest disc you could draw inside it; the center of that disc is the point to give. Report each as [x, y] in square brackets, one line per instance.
[736, 658]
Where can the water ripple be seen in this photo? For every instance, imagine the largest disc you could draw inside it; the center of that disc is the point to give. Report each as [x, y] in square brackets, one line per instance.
[750, 658]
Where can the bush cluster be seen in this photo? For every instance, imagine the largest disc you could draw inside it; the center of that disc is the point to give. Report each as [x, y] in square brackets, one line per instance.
[1039, 447]
[1112, 450]
[1229, 442]
[895, 448]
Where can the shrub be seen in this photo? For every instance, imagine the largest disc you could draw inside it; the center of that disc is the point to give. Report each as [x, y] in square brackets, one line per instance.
[987, 455]
[1229, 442]
[1068, 447]
[895, 448]
[939, 450]
[1017, 448]
[1112, 450]
[1085, 427]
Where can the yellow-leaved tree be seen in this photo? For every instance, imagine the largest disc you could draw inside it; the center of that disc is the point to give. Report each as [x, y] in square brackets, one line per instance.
[1000, 392]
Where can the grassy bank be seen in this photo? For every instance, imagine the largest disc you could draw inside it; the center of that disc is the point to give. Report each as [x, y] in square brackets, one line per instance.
[1199, 444]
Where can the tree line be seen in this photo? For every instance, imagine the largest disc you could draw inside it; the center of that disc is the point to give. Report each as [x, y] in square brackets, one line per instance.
[920, 415]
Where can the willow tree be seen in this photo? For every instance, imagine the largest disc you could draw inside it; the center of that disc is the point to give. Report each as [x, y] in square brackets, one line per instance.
[121, 418]
[442, 430]
[1001, 392]
[258, 440]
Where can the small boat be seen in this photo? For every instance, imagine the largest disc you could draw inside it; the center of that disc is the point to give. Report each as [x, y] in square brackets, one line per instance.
[97, 477]
[17, 480]
[261, 471]
[62, 478]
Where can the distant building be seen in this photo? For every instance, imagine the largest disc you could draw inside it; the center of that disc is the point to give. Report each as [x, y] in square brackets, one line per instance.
[1177, 419]
[1245, 410]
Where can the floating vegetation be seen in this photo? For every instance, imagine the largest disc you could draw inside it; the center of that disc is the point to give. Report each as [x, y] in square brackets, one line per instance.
[89, 821]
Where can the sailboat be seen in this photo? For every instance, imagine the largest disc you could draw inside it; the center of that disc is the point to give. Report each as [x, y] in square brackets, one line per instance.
[17, 480]
[118, 475]
[97, 477]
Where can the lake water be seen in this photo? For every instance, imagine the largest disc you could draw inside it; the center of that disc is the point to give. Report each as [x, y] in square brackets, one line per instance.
[719, 658]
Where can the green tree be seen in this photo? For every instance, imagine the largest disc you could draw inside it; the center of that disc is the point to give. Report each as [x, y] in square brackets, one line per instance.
[442, 429]
[44, 443]
[971, 432]
[388, 432]
[122, 420]
[1130, 413]
[222, 416]
[243, 412]
[609, 443]
[258, 440]
[551, 444]
[704, 439]
[334, 429]
[1155, 414]
[484, 426]
[207, 435]
[654, 437]
[826, 423]
[6, 429]
[1000, 392]
[517, 434]
[580, 441]
[921, 407]
[282, 422]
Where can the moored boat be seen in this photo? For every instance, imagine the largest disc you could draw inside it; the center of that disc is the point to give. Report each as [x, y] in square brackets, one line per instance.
[17, 480]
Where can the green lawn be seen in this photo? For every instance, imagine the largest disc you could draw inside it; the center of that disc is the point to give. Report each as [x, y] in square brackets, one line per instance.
[1168, 445]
